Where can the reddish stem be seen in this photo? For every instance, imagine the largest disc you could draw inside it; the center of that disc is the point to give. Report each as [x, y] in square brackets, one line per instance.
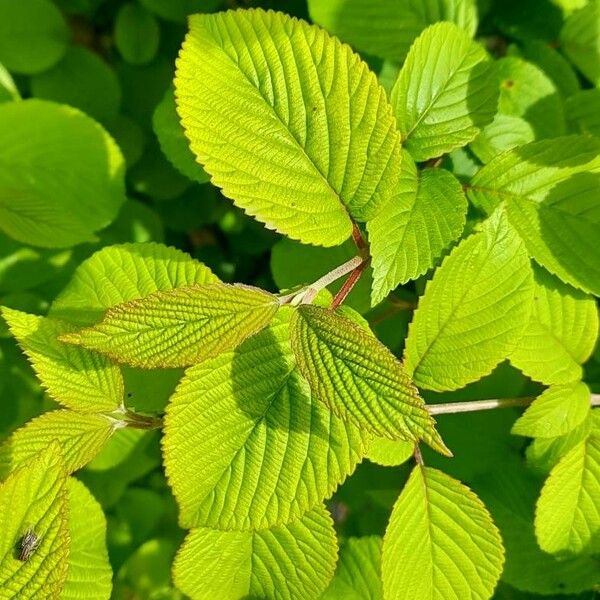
[358, 238]
[349, 284]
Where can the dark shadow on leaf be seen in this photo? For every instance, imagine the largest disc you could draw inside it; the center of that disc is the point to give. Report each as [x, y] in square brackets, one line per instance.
[268, 388]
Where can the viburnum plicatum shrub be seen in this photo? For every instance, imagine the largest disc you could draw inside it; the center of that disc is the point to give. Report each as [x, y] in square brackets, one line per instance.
[284, 394]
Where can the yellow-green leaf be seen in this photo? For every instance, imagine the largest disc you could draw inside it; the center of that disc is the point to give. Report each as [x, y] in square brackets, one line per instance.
[561, 333]
[558, 410]
[445, 93]
[179, 327]
[125, 272]
[358, 378]
[34, 499]
[246, 446]
[567, 518]
[409, 234]
[89, 576]
[261, 93]
[474, 309]
[80, 437]
[550, 190]
[358, 574]
[76, 378]
[440, 543]
[295, 561]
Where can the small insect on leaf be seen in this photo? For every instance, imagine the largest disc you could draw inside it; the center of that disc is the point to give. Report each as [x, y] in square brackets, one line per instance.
[29, 544]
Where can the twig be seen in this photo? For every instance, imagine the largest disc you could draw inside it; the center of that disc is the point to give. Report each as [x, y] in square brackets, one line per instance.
[476, 405]
[307, 295]
[349, 284]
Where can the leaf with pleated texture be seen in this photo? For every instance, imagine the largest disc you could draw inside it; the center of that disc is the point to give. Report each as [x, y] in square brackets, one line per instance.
[510, 493]
[583, 111]
[122, 273]
[567, 518]
[245, 444]
[288, 121]
[358, 574]
[473, 311]
[558, 410]
[550, 190]
[387, 28]
[446, 92]
[580, 40]
[358, 378]
[76, 378]
[179, 327]
[504, 133]
[62, 175]
[34, 499]
[90, 575]
[80, 437]
[561, 333]
[295, 561]
[440, 542]
[409, 234]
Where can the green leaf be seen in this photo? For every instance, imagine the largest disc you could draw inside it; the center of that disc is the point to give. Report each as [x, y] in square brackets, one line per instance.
[441, 542]
[80, 437]
[358, 574]
[411, 231]
[389, 453]
[549, 189]
[83, 80]
[245, 446]
[173, 142]
[583, 111]
[33, 35]
[558, 410]
[179, 327]
[117, 449]
[259, 93]
[76, 378]
[90, 574]
[567, 517]
[510, 493]
[295, 561]
[547, 57]
[61, 177]
[136, 34]
[561, 333]
[34, 497]
[527, 92]
[445, 93]
[358, 378]
[543, 453]
[122, 273]
[475, 307]
[387, 28]
[580, 40]
[504, 133]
